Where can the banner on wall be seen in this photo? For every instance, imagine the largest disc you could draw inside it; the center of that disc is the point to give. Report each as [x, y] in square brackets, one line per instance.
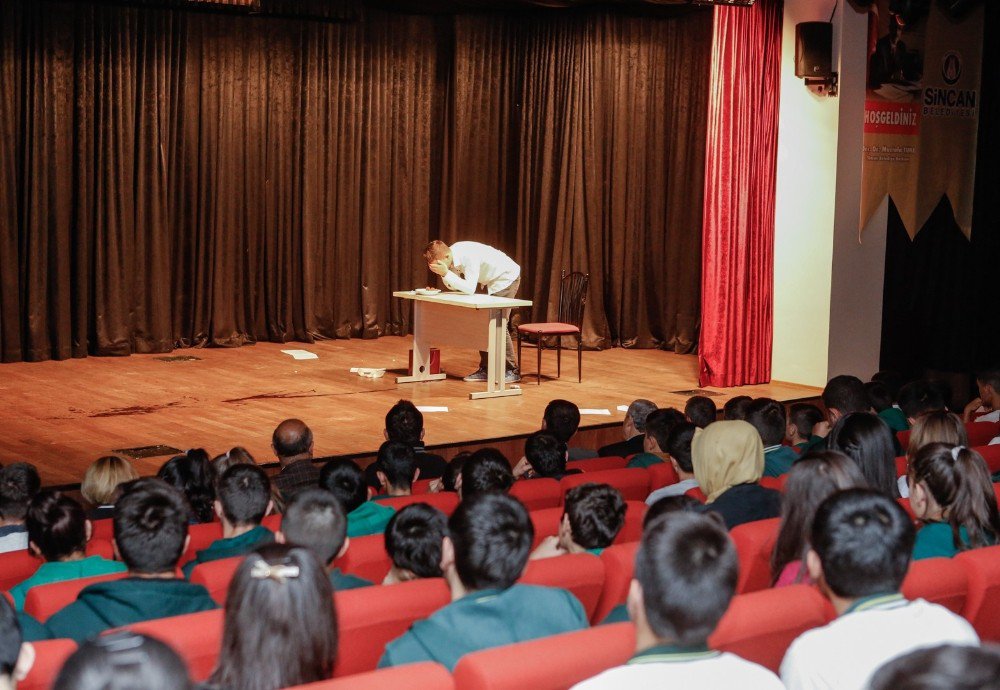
[921, 111]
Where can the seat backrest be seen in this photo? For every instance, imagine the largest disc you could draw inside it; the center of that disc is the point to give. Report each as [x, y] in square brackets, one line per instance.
[760, 626]
[546, 523]
[982, 605]
[635, 511]
[366, 557]
[272, 522]
[536, 494]
[632, 482]
[938, 580]
[549, 663]
[573, 297]
[772, 483]
[619, 565]
[202, 536]
[904, 439]
[17, 566]
[597, 464]
[445, 501]
[901, 466]
[424, 675]
[215, 576]
[991, 454]
[369, 618]
[981, 433]
[102, 529]
[660, 475]
[196, 637]
[697, 494]
[422, 486]
[580, 573]
[44, 600]
[50, 655]
[754, 543]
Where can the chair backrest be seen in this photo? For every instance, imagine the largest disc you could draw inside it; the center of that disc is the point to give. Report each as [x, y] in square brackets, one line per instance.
[982, 605]
[196, 637]
[760, 626]
[904, 439]
[660, 475]
[772, 483]
[901, 466]
[619, 566]
[102, 529]
[635, 511]
[424, 675]
[754, 543]
[981, 433]
[549, 663]
[573, 297]
[422, 486]
[44, 600]
[202, 535]
[272, 522]
[595, 464]
[369, 618]
[445, 501]
[366, 557]
[991, 454]
[697, 494]
[580, 573]
[50, 655]
[632, 482]
[938, 580]
[215, 576]
[536, 494]
[546, 523]
[17, 566]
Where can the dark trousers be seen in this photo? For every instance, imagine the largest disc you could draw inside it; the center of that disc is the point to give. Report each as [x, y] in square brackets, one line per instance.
[509, 291]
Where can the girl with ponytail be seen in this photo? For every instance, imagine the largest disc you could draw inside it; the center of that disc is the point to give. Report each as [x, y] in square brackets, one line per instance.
[951, 493]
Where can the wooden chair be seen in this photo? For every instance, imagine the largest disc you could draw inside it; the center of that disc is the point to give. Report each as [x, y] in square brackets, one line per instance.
[572, 300]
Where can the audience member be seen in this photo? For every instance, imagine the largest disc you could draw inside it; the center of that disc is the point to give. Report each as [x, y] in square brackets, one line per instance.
[768, 418]
[486, 471]
[985, 408]
[288, 636]
[19, 483]
[881, 402]
[685, 577]
[861, 542]
[397, 469]
[562, 418]
[404, 423]
[728, 459]
[16, 656]
[945, 667]
[918, 398]
[671, 504]
[814, 478]
[735, 408]
[802, 419]
[244, 499]
[633, 431]
[841, 396]
[150, 523]
[292, 442]
[544, 456]
[452, 478]
[659, 424]
[101, 482]
[701, 411]
[347, 483]
[58, 532]
[593, 516]
[191, 474]
[413, 540]
[938, 426]
[485, 554]
[123, 660]
[679, 449]
[234, 456]
[866, 439]
[951, 493]
[314, 519]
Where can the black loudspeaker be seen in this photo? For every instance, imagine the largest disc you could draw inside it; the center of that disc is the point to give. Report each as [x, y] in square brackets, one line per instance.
[814, 49]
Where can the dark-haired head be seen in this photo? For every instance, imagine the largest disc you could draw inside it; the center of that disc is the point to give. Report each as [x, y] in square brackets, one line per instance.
[946, 667]
[867, 440]
[595, 514]
[562, 418]
[845, 394]
[404, 423]
[150, 524]
[767, 416]
[57, 526]
[413, 540]
[920, 397]
[123, 661]
[244, 495]
[735, 408]
[345, 480]
[486, 471]
[988, 381]
[397, 467]
[490, 539]
[19, 483]
[803, 417]
[701, 411]
[679, 446]
[451, 479]
[670, 504]
[292, 440]
[546, 454]
[192, 475]
[315, 519]
[659, 425]
[878, 396]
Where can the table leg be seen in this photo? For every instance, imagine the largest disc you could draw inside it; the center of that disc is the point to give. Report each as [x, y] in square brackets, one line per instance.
[496, 369]
[421, 352]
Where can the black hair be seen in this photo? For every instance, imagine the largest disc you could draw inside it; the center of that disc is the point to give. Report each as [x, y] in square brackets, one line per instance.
[291, 438]
[486, 470]
[768, 417]
[638, 410]
[867, 439]
[562, 418]
[846, 394]
[19, 483]
[687, 568]
[864, 540]
[10, 638]
[918, 397]
[413, 539]
[679, 445]
[398, 463]
[404, 423]
[346, 481]
[805, 416]
[57, 525]
[546, 454]
[123, 660]
[192, 475]
[659, 424]
[150, 526]
[944, 667]
[450, 477]
[735, 409]
[596, 514]
[492, 536]
[244, 492]
[670, 504]
[315, 519]
[701, 410]
[892, 381]
[878, 396]
[989, 376]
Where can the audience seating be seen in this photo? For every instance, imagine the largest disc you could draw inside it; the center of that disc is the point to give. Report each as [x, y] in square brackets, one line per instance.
[982, 606]
[366, 557]
[49, 658]
[697, 494]
[546, 523]
[550, 663]
[425, 676]
[580, 573]
[215, 576]
[536, 494]
[991, 454]
[635, 512]
[904, 503]
[754, 543]
[196, 637]
[660, 475]
[272, 522]
[938, 580]
[760, 626]
[596, 464]
[902, 466]
[619, 566]
[775, 483]
[632, 482]
[981, 433]
[445, 501]
[102, 529]
[17, 566]
[44, 600]
[422, 486]
[201, 537]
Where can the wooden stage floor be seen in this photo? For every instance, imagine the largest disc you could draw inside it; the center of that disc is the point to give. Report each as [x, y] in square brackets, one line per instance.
[62, 415]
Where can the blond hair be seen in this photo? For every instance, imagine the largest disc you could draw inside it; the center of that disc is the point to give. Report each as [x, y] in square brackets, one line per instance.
[103, 477]
[936, 427]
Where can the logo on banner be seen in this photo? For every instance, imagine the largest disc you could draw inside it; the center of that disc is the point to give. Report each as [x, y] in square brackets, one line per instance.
[951, 68]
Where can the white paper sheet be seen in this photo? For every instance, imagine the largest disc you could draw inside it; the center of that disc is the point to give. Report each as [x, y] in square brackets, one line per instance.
[431, 408]
[623, 408]
[301, 354]
[602, 412]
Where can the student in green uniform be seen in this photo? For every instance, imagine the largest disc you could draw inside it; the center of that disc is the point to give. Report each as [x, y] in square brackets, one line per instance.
[882, 402]
[16, 656]
[58, 532]
[802, 417]
[594, 515]
[413, 541]
[485, 554]
[397, 469]
[951, 493]
[842, 395]
[243, 500]
[314, 519]
[659, 424]
[345, 480]
[150, 527]
[768, 418]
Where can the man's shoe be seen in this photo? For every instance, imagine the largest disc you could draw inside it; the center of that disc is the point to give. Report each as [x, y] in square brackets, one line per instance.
[513, 376]
[477, 375]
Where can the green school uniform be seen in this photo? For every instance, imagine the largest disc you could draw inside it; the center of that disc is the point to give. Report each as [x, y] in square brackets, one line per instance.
[618, 614]
[60, 571]
[595, 552]
[31, 629]
[368, 518]
[647, 459]
[485, 619]
[122, 602]
[814, 443]
[934, 540]
[778, 461]
[895, 418]
[228, 548]
[342, 581]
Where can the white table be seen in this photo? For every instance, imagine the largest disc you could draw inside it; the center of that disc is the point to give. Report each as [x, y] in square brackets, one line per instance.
[469, 321]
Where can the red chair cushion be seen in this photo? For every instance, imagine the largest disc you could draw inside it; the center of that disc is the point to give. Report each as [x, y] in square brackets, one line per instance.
[580, 573]
[553, 328]
[366, 557]
[991, 454]
[595, 464]
[938, 580]
[660, 475]
[44, 600]
[981, 433]
[697, 494]
[196, 637]
[754, 543]
[49, 658]
[102, 529]
[536, 494]
[424, 675]
[982, 605]
[446, 501]
[202, 536]
[632, 482]
[215, 576]
[619, 565]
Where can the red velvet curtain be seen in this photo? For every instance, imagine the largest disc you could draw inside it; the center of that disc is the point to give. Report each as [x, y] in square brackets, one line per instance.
[738, 227]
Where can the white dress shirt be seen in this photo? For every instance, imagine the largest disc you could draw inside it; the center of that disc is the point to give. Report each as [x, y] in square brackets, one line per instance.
[699, 671]
[480, 264]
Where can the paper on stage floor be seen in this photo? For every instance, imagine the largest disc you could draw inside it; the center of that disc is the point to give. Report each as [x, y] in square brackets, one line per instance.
[603, 412]
[431, 408]
[623, 408]
[301, 354]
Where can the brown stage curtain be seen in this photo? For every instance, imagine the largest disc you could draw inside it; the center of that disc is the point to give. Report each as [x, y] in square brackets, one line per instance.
[173, 179]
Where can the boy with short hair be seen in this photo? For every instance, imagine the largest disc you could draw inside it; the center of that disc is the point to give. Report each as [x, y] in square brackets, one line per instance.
[861, 544]
[917, 398]
[679, 448]
[701, 411]
[735, 409]
[19, 483]
[842, 395]
[243, 499]
[986, 407]
[413, 541]
[16, 656]
[396, 469]
[404, 423]
[768, 418]
[659, 424]
[150, 527]
[802, 417]
[544, 456]
[314, 519]
[882, 402]
[594, 515]
[685, 577]
[562, 418]
[487, 470]
[345, 480]
[485, 553]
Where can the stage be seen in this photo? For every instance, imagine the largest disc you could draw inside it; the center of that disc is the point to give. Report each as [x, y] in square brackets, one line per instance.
[63, 415]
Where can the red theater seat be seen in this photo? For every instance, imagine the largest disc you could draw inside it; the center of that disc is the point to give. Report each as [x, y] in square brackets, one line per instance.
[102, 529]
[446, 502]
[902, 467]
[272, 522]
[754, 543]
[49, 658]
[991, 454]
[202, 536]
[760, 626]
[597, 464]
[44, 600]
[633, 482]
[550, 663]
[697, 494]
[635, 511]
[982, 606]
[422, 486]
[422, 676]
[775, 483]
[938, 580]
[215, 576]
[17, 566]
[536, 494]
[580, 573]
[366, 557]
[196, 637]
[981, 433]
[904, 439]
[660, 475]
[546, 523]
[619, 565]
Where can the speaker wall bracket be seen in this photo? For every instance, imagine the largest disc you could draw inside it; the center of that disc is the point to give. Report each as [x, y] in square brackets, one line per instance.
[823, 86]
